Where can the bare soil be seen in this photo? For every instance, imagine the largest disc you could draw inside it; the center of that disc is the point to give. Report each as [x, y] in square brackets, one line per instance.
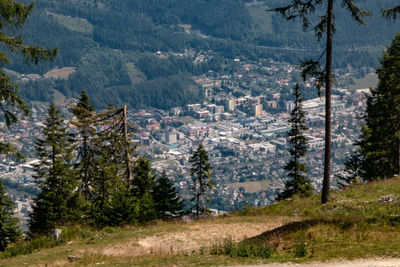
[191, 237]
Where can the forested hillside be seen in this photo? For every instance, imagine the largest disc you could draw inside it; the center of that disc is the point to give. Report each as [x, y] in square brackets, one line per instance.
[113, 43]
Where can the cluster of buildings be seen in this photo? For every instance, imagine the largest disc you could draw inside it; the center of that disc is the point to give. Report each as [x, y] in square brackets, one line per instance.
[242, 123]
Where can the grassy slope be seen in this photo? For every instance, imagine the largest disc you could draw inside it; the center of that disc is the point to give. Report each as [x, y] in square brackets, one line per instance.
[355, 224]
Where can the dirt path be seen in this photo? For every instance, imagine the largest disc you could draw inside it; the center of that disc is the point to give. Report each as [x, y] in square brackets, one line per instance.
[190, 237]
[344, 263]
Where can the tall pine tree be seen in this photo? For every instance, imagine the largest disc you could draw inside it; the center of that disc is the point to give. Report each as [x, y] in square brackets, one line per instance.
[324, 25]
[85, 122]
[201, 178]
[298, 183]
[59, 200]
[380, 137]
[112, 180]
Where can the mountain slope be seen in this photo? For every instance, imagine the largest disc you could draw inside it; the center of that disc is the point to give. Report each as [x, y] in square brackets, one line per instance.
[113, 44]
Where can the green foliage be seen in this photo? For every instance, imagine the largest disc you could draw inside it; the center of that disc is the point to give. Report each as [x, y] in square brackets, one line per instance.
[201, 178]
[167, 202]
[298, 183]
[9, 231]
[84, 167]
[58, 201]
[244, 249]
[23, 247]
[353, 170]
[380, 136]
[300, 246]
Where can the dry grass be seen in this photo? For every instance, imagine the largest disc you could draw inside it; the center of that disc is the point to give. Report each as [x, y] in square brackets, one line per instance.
[251, 187]
[62, 73]
[355, 224]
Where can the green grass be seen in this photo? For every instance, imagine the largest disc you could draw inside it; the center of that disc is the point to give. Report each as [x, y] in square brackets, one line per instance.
[354, 224]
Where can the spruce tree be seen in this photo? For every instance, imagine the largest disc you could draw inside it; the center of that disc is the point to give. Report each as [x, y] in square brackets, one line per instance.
[112, 179]
[353, 171]
[13, 16]
[298, 183]
[322, 71]
[380, 136]
[9, 231]
[85, 122]
[142, 190]
[168, 203]
[133, 203]
[201, 178]
[59, 200]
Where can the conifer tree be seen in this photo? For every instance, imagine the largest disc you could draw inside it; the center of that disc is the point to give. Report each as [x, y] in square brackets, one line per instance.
[9, 231]
[168, 203]
[113, 175]
[353, 171]
[322, 71]
[298, 183]
[85, 119]
[59, 199]
[13, 16]
[133, 203]
[380, 137]
[201, 178]
[142, 190]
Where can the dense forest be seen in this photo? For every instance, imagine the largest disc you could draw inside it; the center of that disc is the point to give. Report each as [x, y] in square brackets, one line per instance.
[112, 44]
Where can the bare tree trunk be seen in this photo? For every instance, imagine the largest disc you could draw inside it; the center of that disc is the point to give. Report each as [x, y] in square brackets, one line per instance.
[328, 116]
[399, 155]
[197, 206]
[127, 156]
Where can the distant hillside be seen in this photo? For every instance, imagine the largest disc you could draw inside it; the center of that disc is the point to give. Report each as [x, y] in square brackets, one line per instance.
[112, 44]
[360, 222]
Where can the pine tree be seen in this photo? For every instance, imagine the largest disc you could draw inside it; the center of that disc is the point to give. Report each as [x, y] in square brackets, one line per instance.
[112, 180]
[353, 171]
[380, 136]
[298, 183]
[85, 122]
[201, 178]
[59, 200]
[9, 231]
[13, 17]
[133, 203]
[168, 203]
[142, 190]
[303, 9]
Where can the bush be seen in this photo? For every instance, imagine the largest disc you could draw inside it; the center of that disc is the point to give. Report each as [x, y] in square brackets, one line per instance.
[244, 249]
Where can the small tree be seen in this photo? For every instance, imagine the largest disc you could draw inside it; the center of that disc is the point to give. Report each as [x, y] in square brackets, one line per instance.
[9, 231]
[201, 178]
[353, 171]
[298, 183]
[168, 203]
[58, 202]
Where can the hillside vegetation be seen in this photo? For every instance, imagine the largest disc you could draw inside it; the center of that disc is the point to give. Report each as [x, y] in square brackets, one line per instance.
[112, 45]
[361, 221]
